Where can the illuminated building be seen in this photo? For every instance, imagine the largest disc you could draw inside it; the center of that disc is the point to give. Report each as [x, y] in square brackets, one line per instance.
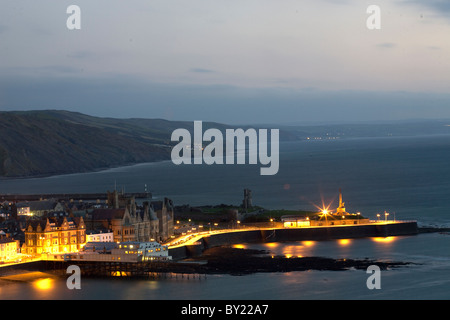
[23, 211]
[144, 251]
[54, 235]
[38, 208]
[100, 236]
[8, 249]
[293, 221]
[129, 251]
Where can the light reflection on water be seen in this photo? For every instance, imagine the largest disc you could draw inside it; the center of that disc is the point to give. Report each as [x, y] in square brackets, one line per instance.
[44, 284]
[339, 248]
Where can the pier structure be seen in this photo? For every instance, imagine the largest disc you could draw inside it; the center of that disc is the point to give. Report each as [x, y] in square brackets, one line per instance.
[196, 245]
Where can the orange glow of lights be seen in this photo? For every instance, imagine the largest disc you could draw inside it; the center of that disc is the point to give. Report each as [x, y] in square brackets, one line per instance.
[308, 243]
[43, 284]
[239, 246]
[384, 240]
[288, 255]
[120, 274]
[325, 208]
[272, 244]
[344, 242]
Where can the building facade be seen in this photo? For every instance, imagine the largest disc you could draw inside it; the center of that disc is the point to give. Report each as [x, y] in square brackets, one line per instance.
[144, 251]
[100, 236]
[54, 235]
[9, 250]
[165, 214]
[39, 208]
[149, 222]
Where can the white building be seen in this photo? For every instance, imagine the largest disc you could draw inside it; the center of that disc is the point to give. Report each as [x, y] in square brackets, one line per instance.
[131, 251]
[100, 236]
[145, 251]
[294, 221]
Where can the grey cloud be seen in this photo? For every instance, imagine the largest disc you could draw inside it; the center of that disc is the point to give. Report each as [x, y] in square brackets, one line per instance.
[61, 69]
[201, 70]
[3, 28]
[81, 54]
[49, 70]
[119, 96]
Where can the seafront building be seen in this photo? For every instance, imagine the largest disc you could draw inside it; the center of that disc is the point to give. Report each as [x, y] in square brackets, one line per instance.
[9, 250]
[123, 220]
[151, 222]
[143, 251]
[100, 236]
[130, 251]
[54, 234]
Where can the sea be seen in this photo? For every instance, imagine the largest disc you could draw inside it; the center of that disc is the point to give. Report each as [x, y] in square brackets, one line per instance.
[408, 177]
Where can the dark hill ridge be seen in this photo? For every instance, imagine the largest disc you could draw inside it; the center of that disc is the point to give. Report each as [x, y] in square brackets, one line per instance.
[54, 142]
[49, 142]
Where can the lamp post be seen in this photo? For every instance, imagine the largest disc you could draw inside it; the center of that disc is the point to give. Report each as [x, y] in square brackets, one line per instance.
[385, 216]
[325, 213]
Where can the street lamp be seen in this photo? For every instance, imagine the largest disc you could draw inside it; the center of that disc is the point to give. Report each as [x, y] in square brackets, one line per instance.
[325, 213]
[385, 216]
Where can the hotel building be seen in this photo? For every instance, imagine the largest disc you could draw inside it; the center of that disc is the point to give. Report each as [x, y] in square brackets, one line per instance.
[54, 235]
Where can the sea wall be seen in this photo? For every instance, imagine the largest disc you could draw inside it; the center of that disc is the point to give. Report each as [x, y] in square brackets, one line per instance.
[295, 234]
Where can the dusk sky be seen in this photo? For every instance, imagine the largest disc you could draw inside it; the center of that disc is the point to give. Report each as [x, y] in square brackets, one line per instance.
[246, 61]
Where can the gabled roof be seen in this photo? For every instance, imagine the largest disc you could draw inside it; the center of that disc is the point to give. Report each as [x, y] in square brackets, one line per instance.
[36, 223]
[55, 222]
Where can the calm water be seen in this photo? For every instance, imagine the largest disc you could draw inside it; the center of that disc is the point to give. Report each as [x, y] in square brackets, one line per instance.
[407, 176]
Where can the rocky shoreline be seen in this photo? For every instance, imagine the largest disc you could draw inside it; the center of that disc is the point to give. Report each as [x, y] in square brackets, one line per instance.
[227, 260]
